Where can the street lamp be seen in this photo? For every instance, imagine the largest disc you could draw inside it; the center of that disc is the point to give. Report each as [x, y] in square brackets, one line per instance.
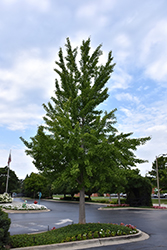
[158, 177]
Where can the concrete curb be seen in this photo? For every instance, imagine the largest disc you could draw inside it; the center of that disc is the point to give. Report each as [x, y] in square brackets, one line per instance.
[132, 208]
[24, 211]
[75, 245]
[127, 208]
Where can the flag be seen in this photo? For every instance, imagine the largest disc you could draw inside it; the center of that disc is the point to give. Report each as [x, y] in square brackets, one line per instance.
[9, 159]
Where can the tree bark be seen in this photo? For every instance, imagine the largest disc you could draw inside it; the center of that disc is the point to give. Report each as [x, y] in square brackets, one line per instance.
[119, 199]
[82, 219]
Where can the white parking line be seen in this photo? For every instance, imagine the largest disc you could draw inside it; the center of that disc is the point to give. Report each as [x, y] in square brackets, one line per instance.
[64, 221]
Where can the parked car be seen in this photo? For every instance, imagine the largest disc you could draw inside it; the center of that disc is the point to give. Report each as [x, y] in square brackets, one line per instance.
[113, 195]
[154, 196]
[161, 195]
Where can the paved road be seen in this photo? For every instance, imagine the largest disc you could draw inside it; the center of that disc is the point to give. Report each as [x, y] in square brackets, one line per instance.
[153, 222]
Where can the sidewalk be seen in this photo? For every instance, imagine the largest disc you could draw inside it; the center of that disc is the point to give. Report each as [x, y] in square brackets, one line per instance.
[162, 205]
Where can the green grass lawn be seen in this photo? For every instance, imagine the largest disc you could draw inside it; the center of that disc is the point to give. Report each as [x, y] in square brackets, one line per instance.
[163, 201]
[113, 199]
[73, 232]
[94, 199]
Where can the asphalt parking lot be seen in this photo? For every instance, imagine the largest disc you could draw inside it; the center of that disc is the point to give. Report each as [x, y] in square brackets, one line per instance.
[153, 222]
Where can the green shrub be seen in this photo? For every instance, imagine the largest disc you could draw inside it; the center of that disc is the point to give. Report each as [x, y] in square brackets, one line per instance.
[84, 236]
[4, 227]
[73, 238]
[96, 234]
[90, 235]
[113, 233]
[68, 239]
[119, 232]
[108, 233]
[102, 233]
[79, 237]
[139, 191]
[68, 233]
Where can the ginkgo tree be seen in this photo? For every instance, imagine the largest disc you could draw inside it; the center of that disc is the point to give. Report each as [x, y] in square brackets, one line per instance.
[78, 141]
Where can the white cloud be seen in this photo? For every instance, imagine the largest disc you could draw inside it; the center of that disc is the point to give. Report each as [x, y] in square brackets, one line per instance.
[91, 10]
[87, 11]
[154, 51]
[127, 97]
[20, 118]
[94, 12]
[42, 6]
[120, 80]
[122, 45]
[150, 120]
[156, 146]
[144, 119]
[24, 87]
[127, 112]
[21, 164]
[29, 71]
[158, 71]
[9, 2]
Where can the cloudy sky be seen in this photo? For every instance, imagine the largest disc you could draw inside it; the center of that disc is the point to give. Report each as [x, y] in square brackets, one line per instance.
[31, 33]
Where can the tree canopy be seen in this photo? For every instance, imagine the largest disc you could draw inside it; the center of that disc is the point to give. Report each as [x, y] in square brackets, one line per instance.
[13, 182]
[78, 141]
[162, 172]
[35, 183]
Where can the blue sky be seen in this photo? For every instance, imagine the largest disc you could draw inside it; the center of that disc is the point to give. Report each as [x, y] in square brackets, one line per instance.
[31, 33]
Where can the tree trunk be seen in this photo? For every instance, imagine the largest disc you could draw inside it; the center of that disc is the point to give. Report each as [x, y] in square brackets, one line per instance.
[82, 219]
[119, 199]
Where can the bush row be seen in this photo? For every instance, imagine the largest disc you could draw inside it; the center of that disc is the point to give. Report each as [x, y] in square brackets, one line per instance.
[71, 233]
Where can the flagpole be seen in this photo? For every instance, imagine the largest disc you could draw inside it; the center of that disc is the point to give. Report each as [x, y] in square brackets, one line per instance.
[9, 160]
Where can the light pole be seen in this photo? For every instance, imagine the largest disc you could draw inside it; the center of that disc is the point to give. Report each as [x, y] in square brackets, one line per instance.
[158, 177]
[158, 182]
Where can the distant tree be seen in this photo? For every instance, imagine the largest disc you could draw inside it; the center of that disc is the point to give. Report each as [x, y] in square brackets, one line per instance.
[162, 172]
[13, 182]
[82, 141]
[65, 187]
[35, 183]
